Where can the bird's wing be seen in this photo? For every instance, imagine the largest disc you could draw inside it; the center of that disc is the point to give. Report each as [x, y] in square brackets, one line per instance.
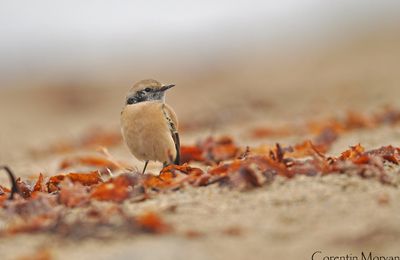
[173, 127]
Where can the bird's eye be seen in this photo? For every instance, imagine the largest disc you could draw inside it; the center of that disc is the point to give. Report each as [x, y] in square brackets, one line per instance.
[147, 89]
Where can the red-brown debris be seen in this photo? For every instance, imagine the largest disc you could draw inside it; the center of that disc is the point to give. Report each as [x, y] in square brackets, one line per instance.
[116, 189]
[211, 150]
[172, 177]
[40, 185]
[191, 153]
[327, 130]
[24, 189]
[87, 179]
[152, 223]
[73, 194]
[42, 205]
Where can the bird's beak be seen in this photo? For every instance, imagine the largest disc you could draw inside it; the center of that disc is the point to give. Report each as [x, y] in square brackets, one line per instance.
[166, 87]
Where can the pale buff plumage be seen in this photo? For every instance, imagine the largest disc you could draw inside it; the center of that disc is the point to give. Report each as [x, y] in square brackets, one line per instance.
[147, 133]
[150, 127]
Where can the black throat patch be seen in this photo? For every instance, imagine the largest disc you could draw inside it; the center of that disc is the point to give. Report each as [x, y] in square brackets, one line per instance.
[142, 96]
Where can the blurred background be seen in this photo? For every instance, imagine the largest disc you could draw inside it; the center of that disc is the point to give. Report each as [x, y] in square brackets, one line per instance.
[66, 65]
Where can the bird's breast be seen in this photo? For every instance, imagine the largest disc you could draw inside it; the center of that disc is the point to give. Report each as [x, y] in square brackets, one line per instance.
[146, 132]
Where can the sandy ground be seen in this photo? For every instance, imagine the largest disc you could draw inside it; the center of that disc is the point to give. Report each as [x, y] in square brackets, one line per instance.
[289, 219]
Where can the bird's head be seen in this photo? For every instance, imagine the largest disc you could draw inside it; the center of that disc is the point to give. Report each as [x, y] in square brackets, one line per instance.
[147, 90]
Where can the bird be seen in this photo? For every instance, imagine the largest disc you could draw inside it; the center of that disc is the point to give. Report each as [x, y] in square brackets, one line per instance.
[149, 126]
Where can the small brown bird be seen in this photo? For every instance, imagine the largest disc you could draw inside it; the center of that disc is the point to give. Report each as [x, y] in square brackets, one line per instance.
[149, 126]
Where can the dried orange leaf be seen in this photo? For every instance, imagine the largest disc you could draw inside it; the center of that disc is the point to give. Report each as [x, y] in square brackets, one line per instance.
[173, 176]
[73, 194]
[3, 198]
[356, 120]
[324, 140]
[389, 115]
[220, 149]
[264, 132]
[191, 153]
[4, 189]
[24, 189]
[306, 148]
[352, 153]
[39, 185]
[86, 179]
[117, 189]
[389, 153]
[152, 223]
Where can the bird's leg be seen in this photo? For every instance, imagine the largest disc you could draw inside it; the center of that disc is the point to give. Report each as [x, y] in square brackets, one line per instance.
[14, 186]
[145, 166]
